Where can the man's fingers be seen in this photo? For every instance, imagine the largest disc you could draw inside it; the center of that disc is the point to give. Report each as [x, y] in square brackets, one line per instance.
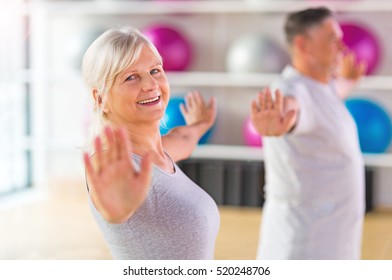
[268, 100]
[278, 101]
[255, 108]
[288, 120]
[362, 68]
[262, 101]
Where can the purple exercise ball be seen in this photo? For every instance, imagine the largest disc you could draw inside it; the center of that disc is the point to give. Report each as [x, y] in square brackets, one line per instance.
[250, 135]
[173, 46]
[363, 43]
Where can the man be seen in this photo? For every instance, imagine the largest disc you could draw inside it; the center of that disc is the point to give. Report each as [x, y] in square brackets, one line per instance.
[314, 168]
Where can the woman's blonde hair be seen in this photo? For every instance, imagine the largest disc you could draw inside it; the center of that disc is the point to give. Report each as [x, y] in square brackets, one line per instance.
[110, 54]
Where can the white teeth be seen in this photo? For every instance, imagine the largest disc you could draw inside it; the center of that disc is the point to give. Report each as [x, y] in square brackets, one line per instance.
[148, 100]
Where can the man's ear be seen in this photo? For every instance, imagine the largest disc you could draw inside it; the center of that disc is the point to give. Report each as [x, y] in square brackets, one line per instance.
[300, 43]
[99, 102]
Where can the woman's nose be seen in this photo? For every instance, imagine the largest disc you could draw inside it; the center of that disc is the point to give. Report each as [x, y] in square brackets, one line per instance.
[149, 83]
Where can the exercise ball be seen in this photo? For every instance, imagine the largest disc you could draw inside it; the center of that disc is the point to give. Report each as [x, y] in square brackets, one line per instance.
[373, 124]
[173, 118]
[174, 47]
[256, 53]
[250, 135]
[363, 43]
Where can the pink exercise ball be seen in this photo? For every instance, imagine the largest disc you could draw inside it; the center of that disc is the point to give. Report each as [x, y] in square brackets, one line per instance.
[173, 46]
[250, 135]
[363, 43]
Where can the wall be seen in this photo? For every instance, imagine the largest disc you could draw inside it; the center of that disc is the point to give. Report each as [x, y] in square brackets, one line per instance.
[211, 35]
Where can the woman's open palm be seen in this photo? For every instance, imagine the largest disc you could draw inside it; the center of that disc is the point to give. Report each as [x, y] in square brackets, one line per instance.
[116, 188]
[196, 110]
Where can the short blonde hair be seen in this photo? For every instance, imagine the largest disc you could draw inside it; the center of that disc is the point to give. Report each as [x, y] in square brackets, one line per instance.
[110, 54]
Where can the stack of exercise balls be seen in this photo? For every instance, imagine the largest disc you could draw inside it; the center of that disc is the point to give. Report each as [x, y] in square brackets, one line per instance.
[364, 43]
[173, 45]
[373, 124]
[173, 118]
[256, 53]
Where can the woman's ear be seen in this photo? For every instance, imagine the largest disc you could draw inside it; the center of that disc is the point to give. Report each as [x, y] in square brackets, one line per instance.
[99, 102]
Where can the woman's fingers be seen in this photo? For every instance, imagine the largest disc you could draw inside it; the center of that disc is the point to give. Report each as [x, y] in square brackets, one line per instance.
[189, 100]
[198, 98]
[212, 105]
[89, 166]
[99, 154]
[183, 109]
[123, 144]
[111, 152]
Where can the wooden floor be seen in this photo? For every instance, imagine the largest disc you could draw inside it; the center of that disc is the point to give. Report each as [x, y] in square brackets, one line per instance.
[60, 226]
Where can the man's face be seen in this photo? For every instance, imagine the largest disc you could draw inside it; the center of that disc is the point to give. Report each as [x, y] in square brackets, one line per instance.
[324, 45]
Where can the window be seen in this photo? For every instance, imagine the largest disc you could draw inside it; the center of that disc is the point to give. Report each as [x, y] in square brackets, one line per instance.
[15, 154]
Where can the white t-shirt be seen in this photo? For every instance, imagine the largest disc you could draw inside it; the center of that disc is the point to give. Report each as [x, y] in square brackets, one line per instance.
[314, 179]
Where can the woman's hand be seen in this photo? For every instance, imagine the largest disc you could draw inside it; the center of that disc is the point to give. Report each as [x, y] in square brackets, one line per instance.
[115, 187]
[197, 111]
[269, 117]
[199, 116]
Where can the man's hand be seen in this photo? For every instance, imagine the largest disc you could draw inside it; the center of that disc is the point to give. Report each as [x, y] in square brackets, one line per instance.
[268, 116]
[350, 69]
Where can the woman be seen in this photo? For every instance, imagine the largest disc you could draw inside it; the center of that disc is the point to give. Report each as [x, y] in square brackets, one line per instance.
[145, 206]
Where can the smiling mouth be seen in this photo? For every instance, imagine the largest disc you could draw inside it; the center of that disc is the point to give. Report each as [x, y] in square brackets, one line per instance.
[149, 101]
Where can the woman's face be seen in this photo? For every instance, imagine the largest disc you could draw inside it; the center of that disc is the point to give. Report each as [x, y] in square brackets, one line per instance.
[140, 93]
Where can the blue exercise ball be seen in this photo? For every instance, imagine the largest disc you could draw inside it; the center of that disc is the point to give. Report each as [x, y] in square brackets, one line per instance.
[373, 123]
[173, 118]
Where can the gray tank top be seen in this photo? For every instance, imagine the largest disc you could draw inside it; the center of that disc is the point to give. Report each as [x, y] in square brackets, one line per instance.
[178, 220]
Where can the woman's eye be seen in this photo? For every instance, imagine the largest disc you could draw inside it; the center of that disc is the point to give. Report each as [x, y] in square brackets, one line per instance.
[154, 71]
[131, 78]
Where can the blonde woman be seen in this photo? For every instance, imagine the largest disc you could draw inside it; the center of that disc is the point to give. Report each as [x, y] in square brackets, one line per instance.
[145, 206]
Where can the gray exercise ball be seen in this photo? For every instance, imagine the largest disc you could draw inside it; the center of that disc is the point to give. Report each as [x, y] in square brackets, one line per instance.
[256, 53]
